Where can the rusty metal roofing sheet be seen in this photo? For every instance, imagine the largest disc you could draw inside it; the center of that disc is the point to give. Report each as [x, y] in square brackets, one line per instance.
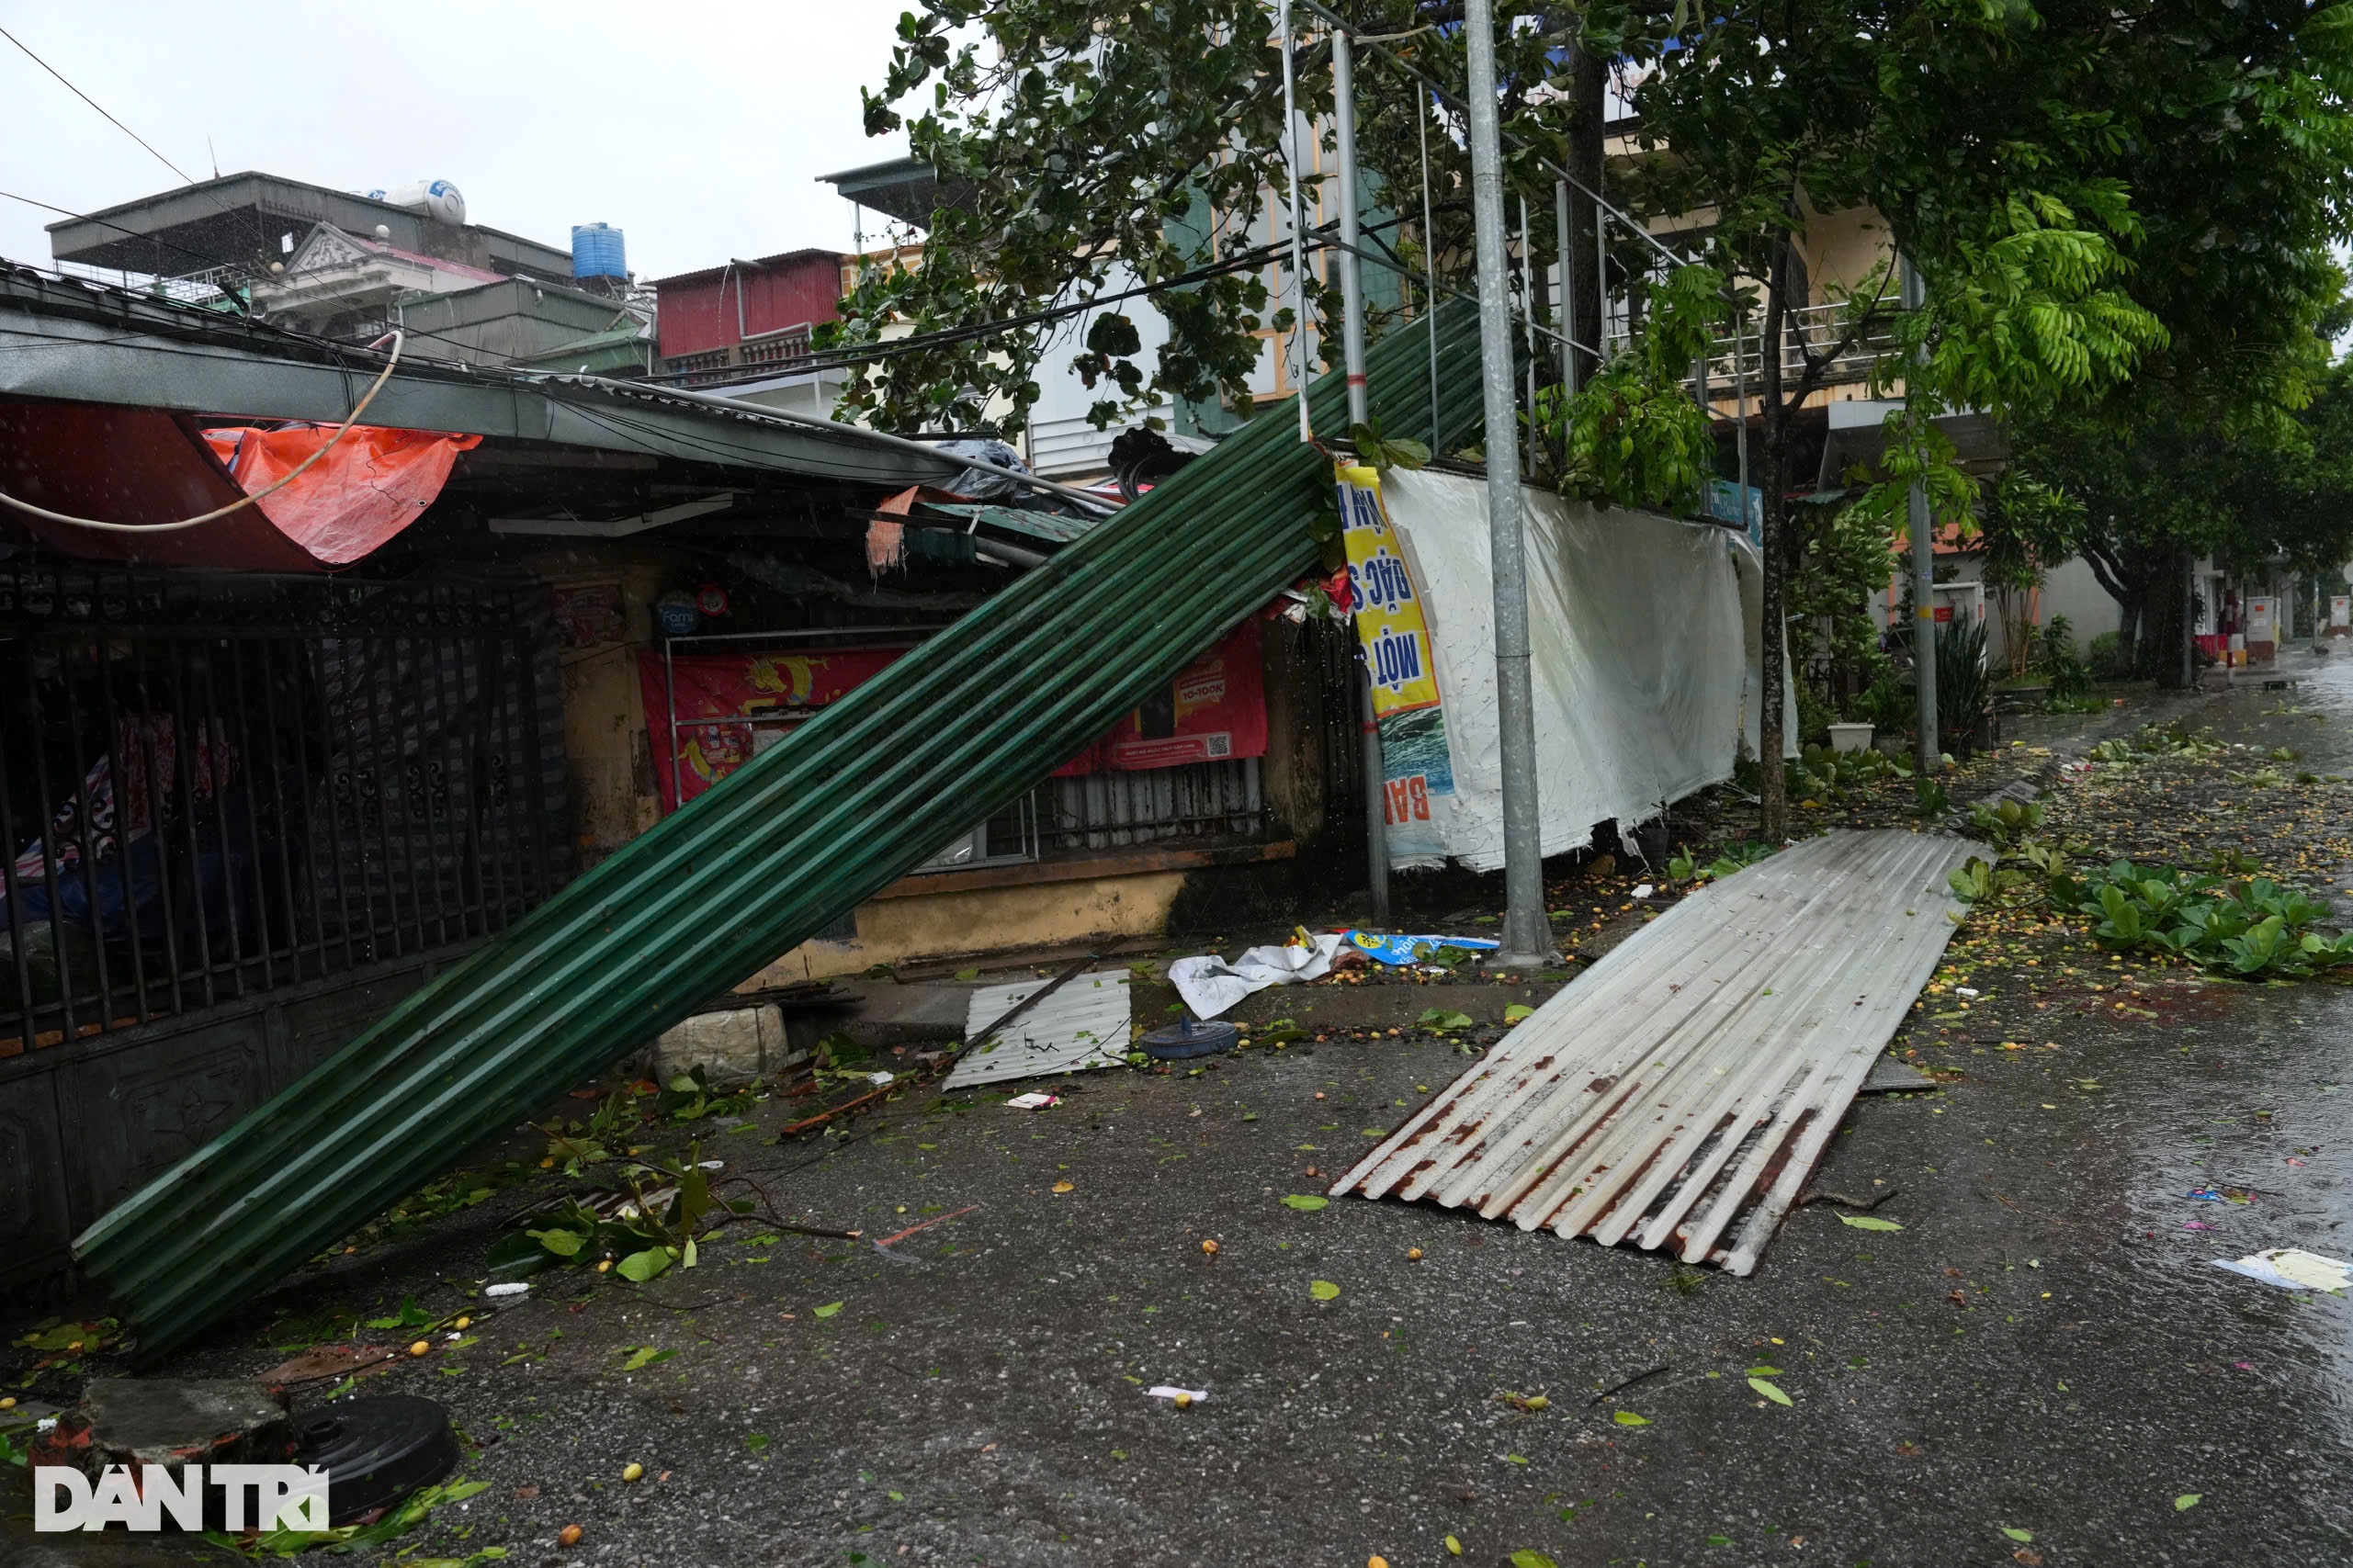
[1677, 1095]
[1082, 1025]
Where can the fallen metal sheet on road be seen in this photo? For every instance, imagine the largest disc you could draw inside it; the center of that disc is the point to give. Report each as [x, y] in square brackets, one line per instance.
[1082, 1024]
[1677, 1095]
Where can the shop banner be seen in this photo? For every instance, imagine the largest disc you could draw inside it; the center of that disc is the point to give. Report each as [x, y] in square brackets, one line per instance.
[1417, 775]
[1214, 709]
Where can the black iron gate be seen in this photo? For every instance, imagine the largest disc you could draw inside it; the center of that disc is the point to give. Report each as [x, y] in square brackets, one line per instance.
[223, 794]
[209, 788]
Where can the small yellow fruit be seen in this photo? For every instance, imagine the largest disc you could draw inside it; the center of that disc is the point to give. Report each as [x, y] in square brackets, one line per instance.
[1413, 1255]
[632, 1471]
[548, 1163]
[463, 1322]
[604, 1265]
[9, 1403]
[75, 1345]
[1210, 1247]
[567, 1536]
[1376, 1561]
[1183, 1402]
[1062, 1187]
[419, 1348]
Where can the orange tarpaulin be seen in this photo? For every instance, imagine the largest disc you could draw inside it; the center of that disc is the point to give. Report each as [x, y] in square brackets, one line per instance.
[373, 484]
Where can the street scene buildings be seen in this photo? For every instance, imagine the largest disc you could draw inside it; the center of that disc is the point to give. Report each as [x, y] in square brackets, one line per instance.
[1327, 783]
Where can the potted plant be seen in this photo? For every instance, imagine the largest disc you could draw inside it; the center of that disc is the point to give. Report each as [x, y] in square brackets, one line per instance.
[1851, 735]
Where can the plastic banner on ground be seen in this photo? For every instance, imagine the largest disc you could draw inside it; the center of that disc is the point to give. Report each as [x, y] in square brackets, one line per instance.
[1213, 710]
[1393, 629]
[1644, 636]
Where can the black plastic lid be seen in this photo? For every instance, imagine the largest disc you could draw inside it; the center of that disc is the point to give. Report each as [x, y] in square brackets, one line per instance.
[376, 1450]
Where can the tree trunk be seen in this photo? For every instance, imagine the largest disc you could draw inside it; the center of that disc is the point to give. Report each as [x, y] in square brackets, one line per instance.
[2164, 626]
[1772, 795]
[1582, 274]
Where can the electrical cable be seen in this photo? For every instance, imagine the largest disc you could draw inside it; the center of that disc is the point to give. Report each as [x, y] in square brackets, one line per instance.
[286, 479]
[93, 103]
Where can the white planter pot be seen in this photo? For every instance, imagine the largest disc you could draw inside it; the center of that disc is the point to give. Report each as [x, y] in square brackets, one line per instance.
[1850, 736]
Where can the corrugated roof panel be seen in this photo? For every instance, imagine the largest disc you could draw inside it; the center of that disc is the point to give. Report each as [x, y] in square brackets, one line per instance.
[1680, 1091]
[1055, 528]
[947, 736]
[1082, 1024]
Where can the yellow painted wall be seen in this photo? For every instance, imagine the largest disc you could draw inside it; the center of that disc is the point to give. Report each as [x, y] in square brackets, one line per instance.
[984, 919]
[607, 755]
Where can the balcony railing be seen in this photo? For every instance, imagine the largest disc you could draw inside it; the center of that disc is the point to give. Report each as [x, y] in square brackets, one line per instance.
[1809, 329]
[772, 352]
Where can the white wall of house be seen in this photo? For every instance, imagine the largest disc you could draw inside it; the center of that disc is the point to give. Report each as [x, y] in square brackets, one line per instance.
[1061, 442]
[2070, 590]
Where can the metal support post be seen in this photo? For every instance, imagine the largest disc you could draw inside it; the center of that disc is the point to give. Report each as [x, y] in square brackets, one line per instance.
[1924, 649]
[1352, 337]
[1298, 253]
[1527, 936]
[1567, 293]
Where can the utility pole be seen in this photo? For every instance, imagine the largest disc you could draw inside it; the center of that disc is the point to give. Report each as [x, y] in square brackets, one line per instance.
[1916, 505]
[1352, 338]
[1527, 935]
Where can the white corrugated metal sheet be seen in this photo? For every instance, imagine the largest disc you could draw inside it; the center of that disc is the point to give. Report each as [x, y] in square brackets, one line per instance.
[1082, 1023]
[1678, 1093]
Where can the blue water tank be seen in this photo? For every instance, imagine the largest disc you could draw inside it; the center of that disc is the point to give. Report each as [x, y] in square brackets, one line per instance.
[597, 251]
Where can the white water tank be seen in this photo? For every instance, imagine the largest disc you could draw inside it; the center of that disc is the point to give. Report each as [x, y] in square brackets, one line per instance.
[438, 200]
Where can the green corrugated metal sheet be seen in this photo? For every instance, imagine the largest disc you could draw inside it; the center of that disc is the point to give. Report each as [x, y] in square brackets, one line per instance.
[1054, 527]
[787, 845]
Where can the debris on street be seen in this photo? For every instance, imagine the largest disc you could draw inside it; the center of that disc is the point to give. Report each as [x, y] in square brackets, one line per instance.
[1680, 1094]
[2291, 1269]
[1209, 985]
[1074, 1026]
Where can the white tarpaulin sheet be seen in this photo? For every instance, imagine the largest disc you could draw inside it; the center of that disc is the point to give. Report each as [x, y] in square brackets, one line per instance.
[1643, 635]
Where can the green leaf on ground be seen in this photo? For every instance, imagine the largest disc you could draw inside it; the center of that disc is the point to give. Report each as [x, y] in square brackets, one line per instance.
[757, 1442]
[1322, 1289]
[645, 1355]
[1454, 1547]
[1532, 1559]
[2188, 1500]
[829, 1309]
[1305, 1202]
[2017, 1535]
[1517, 1012]
[1769, 1390]
[643, 1265]
[1628, 1418]
[1868, 1223]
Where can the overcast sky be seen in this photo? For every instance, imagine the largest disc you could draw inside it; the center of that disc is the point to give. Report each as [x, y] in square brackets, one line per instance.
[698, 127]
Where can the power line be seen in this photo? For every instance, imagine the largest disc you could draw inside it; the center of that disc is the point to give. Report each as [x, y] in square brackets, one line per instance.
[93, 103]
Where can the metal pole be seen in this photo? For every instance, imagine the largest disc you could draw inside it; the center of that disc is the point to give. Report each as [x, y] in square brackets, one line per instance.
[1352, 337]
[1567, 294]
[1528, 301]
[1924, 648]
[1298, 259]
[1740, 430]
[1527, 938]
[1429, 270]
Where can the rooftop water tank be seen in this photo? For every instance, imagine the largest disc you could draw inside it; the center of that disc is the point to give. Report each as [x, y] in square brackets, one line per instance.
[438, 200]
[597, 251]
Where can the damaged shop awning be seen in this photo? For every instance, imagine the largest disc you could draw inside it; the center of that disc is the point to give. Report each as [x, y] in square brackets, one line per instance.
[63, 340]
[144, 466]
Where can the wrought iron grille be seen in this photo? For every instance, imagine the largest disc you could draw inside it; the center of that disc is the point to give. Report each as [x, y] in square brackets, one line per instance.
[215, 786]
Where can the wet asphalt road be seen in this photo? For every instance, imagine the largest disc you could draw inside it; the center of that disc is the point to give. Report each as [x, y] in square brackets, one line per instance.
[2044, 1351]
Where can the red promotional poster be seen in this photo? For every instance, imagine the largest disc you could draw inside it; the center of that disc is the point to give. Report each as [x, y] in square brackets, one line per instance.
[773, 690]
[1214, 709]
